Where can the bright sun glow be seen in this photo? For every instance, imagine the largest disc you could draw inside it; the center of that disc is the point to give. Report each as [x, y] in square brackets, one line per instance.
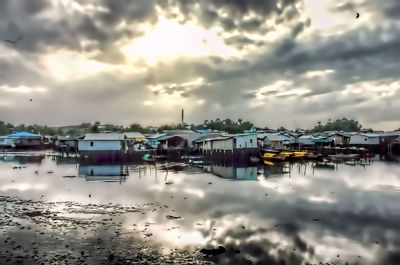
[170, 39]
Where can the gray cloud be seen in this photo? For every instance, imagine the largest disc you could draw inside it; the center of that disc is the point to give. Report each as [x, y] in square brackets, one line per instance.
[366, 53]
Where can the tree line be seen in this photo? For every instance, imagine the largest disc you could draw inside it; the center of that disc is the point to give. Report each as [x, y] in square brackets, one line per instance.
[225, 125]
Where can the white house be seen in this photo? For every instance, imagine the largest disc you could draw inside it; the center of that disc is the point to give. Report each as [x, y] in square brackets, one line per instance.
[229, 142]
[274, 140]
[365, 139]
[102, 142]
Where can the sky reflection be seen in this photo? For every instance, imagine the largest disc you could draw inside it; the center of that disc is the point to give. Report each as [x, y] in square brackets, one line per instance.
[350, 214]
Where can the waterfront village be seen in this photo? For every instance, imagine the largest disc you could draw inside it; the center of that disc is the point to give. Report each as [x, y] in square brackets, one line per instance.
[209, 145]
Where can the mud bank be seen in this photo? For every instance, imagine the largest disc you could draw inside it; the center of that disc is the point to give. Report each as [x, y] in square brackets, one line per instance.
[37, 232]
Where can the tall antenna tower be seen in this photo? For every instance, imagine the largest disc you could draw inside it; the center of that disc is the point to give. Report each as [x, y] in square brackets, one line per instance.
[183, 115]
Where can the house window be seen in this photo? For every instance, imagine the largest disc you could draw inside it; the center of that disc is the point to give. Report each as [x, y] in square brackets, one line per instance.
[365, 139]
[251, 141]
[91, 144]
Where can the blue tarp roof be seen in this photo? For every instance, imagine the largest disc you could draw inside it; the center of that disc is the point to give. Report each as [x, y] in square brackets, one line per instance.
[19, 134]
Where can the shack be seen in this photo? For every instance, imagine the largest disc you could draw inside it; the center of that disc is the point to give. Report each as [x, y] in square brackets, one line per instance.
[172, 142]
[275, 141]
[189, 135]
[24, 140]
[135, 140]
[153, 139]
[364, 139]
[67, 144]
[104, 146]
[390, 141]
[229, 148]
[341, 138]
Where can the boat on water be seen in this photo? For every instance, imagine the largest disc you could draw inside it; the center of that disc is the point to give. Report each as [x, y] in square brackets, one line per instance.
[273, 155]
[287, 154]
[173, 166]
[351, 163]
[269, 163]
[313, 156]
[300, 154]
[254, 159]
[344, 156]
[196, 162]
[149, 158]
[326, 165]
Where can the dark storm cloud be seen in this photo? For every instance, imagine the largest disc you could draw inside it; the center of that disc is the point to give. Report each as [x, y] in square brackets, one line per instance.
[119, 10]
[231, 15]
[70, 27]
[387, 8]
[29, 75]
[241, 41]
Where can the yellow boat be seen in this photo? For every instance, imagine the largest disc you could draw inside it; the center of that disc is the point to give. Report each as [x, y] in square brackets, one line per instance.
[269, 163]
[269, 155]
[300, 154]
[286, 154]
[273, 155]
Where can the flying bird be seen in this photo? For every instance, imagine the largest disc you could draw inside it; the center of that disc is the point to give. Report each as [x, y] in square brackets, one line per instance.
[14, 41]
[358, 15]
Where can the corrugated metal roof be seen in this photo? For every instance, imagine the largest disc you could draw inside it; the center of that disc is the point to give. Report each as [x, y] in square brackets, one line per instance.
[19, 134]
[370, 134]
[132, 135]
[220, 138]
[207, 137]
[155, 136]
[393, 133]
[306, 136]
[104, 136]
[166, 137]
[345, 134]
[273, 136]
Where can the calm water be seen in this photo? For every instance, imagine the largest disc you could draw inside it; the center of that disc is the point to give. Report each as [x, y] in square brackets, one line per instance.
[297, 213]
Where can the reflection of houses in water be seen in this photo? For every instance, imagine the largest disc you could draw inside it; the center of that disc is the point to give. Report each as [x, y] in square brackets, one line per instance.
[65, 160]
[273, 169]
[108, 173]
[23, 159]
[238, 173]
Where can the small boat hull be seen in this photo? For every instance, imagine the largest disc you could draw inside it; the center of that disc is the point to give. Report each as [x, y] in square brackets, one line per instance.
[254, 159]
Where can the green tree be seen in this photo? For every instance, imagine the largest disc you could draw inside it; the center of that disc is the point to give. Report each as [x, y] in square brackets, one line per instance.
[339, 125]
[4, 129]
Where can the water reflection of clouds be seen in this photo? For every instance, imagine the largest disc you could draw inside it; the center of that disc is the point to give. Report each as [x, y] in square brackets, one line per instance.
[22, 187]
[351, 208]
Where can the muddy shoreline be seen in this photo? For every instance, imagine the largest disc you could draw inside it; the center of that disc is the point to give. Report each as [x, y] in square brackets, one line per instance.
[38, 232]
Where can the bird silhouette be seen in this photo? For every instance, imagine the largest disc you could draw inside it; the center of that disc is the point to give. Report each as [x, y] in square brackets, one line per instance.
[358, 15]
[30, 100]
[14, 41]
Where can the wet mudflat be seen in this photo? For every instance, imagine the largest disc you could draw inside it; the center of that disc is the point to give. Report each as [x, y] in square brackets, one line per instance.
[59, 211]
[36, 232]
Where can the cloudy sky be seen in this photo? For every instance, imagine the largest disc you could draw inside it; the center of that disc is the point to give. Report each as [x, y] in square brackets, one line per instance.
[275, 62]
